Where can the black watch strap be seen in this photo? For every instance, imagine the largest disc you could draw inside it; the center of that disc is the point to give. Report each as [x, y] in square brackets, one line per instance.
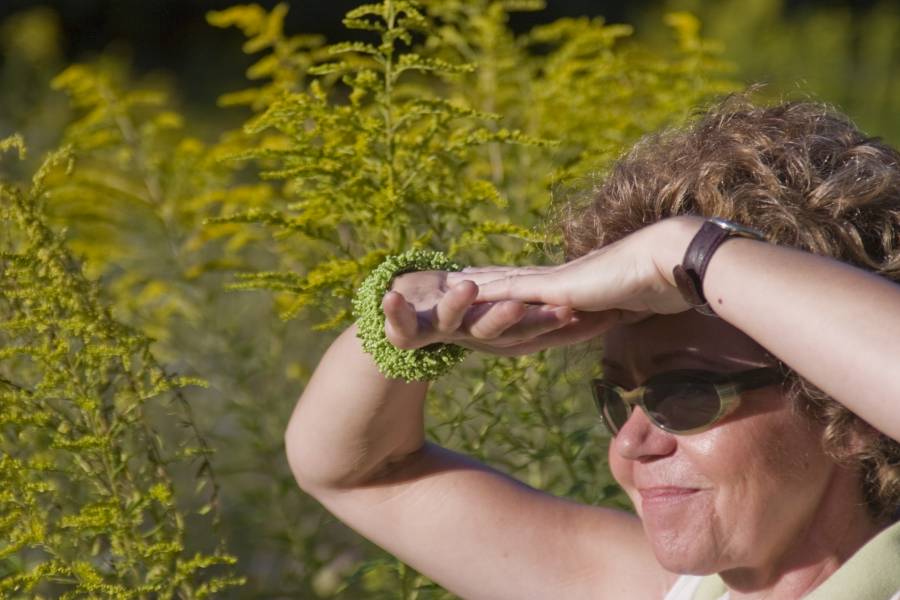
[689, 274]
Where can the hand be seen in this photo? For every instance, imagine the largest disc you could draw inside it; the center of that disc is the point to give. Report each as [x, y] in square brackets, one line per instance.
[633, 274]
[422, 309]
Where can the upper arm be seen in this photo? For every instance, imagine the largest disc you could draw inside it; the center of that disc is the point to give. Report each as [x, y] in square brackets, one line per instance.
[482, 534]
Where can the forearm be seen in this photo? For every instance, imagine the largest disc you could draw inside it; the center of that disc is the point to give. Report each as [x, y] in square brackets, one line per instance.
[836, 325]
[351, 421]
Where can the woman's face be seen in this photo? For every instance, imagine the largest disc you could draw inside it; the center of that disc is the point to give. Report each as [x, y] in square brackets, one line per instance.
[735, 495]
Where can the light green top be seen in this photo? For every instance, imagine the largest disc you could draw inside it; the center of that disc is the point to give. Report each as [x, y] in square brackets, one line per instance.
[873, 573]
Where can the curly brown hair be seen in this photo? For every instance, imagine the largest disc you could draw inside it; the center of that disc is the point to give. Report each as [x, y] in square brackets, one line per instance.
[806, 177]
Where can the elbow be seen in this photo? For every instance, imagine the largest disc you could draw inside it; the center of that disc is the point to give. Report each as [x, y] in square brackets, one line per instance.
[297, 456]
[308, 461]
[291, 448]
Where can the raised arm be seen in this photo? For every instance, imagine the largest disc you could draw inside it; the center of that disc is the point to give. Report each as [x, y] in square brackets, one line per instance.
[356, 443]
[836, 325]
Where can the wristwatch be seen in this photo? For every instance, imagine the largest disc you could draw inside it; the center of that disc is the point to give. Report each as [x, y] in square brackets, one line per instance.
[689, 274]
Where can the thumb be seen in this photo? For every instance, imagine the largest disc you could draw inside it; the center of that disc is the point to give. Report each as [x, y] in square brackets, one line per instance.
[400, 322]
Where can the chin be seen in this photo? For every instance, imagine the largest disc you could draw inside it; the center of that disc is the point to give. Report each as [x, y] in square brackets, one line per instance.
[685, 564]
[683, 534]
[686, 561]
[684, 550]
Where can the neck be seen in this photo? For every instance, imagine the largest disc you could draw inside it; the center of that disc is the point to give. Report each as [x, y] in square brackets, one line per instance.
[838, 529]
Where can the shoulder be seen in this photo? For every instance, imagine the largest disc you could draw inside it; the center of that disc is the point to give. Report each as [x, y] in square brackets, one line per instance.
[870, 573]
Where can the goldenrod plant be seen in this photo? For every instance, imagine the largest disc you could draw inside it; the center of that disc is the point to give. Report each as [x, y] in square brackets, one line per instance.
[373, 174]
[447, 131]
[438, 128]
[287, 58]
[88, 507]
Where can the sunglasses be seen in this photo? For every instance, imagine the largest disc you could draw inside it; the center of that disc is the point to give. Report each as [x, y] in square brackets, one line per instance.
[680, 402]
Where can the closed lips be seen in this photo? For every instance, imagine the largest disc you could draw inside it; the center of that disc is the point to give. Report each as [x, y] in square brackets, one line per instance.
[665, 492]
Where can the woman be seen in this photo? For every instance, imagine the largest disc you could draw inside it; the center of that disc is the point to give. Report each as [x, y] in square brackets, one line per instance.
[787, 489]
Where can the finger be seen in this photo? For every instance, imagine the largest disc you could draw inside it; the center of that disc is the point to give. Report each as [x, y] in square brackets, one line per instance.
[503, 323]
[476, 278]
[582, 327]
[535, 288]
[539, 319]
[486, 322]
[400, 322]
[451, 309]
[482, 274]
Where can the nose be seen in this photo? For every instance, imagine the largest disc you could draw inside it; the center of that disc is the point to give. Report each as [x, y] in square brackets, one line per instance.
[641, 440]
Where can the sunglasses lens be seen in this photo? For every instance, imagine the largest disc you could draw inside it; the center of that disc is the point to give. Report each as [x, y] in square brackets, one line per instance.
[614, 410]
[682, 406]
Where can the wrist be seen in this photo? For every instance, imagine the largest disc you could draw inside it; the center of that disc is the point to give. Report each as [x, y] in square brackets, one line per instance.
[689, 275]
[677, 235]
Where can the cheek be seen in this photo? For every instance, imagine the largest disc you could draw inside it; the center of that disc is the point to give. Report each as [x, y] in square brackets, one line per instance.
[768, 471]
[791, 461]
[774, 449]
[724, 454]
[763, 442]
[753, 460]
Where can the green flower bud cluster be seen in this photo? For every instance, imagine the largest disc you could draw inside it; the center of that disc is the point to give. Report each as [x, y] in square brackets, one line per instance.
[427, 363]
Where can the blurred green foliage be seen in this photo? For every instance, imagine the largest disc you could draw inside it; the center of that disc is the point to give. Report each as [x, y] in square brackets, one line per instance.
[87, 507]
[446, 130]
[842, 53]
[438, 127]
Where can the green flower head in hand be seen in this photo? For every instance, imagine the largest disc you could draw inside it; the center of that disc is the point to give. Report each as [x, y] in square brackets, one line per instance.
[427, 363]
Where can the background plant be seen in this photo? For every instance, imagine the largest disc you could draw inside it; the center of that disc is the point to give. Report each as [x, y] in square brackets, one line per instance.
[429, 135]
[88, 506]
[435, 126]
[843, 53]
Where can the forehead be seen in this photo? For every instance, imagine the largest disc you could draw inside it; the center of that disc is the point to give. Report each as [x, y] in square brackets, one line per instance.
[645, 344]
